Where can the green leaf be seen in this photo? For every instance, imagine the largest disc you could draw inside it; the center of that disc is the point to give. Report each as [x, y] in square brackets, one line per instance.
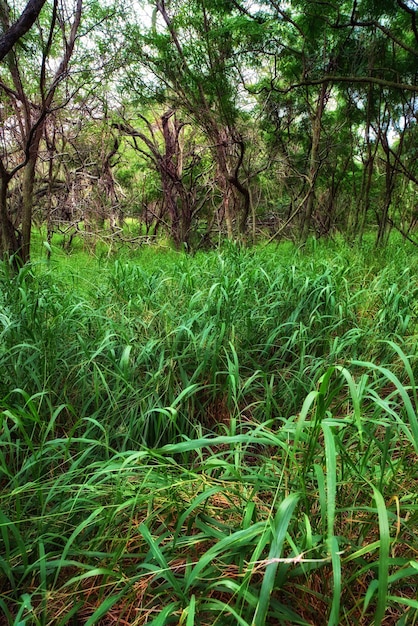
[384, 562]
[231, 543]
[162, 562]
[279, 530]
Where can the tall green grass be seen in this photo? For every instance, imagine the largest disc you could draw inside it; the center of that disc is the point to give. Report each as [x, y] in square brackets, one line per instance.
[229, 438]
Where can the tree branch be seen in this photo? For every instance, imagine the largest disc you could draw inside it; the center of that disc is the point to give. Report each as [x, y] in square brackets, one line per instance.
[329, 78]
[21, 27]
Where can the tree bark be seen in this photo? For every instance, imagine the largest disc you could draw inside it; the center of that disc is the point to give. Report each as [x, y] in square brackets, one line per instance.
[27, 199]
[9, 240]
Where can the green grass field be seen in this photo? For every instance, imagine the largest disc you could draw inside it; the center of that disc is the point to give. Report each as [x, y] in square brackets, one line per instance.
[228, 438]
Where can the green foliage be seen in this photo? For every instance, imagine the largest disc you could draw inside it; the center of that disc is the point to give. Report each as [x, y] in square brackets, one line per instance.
[224, 438]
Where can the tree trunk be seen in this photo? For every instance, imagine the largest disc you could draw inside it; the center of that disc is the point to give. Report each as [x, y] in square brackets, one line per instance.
[27, 201]
[9, 239]
[171, 172]
[226, 203]
[220, 155]
[390, 179]
[314, 163]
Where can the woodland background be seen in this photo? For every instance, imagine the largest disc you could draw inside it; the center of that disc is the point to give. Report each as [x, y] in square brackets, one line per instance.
[210, 118]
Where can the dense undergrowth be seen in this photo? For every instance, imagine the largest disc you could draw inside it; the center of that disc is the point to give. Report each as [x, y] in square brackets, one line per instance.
[230, 438]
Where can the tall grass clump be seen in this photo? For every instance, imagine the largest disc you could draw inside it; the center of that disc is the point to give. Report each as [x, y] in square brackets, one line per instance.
[229, 438]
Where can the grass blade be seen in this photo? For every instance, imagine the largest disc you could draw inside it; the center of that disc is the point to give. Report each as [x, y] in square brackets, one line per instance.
[279, 530]
[384, 560]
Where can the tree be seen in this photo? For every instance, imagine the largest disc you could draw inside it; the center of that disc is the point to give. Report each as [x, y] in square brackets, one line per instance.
[200, 80]
[349, 54]
[31, 93]
[167, 147]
